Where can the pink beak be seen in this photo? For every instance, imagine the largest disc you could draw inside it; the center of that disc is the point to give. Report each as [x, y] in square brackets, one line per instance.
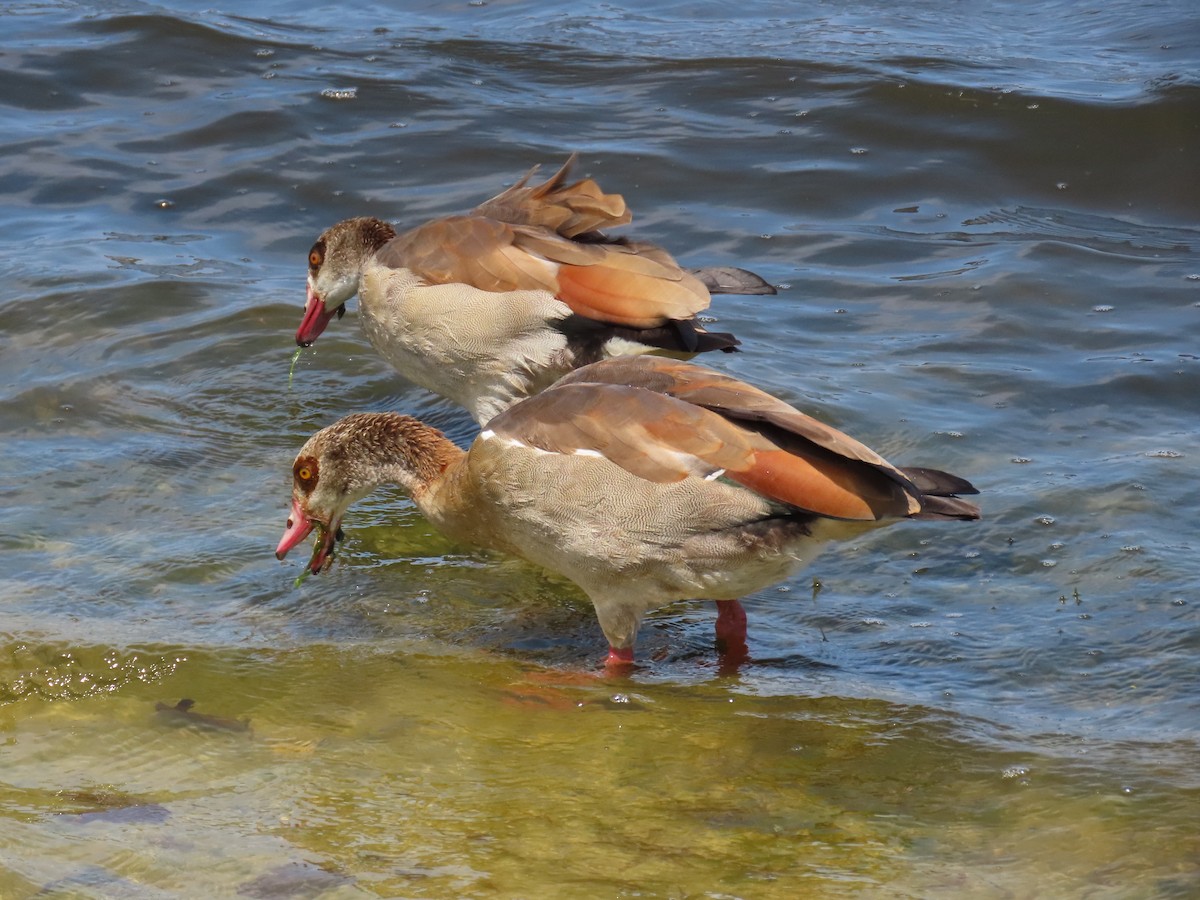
[316, 317]
[299, 526]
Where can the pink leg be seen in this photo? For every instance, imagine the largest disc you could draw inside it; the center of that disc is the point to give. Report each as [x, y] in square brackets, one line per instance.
[619, 657]
[731, 629]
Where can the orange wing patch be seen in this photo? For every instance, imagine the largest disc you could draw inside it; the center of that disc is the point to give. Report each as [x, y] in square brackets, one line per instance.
[664, 439]
[830, 488]
[621, 297]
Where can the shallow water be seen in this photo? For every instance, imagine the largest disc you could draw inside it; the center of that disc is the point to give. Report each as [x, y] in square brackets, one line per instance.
[984, 226]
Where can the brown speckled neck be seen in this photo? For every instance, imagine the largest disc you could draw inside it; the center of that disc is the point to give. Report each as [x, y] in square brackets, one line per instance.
[367, 449]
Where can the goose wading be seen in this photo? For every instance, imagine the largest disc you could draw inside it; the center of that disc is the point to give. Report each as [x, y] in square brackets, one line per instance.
[493, 306]
[642, 479]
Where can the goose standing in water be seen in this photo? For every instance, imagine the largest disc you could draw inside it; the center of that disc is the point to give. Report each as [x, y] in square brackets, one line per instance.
[644, 480]
[491, 307]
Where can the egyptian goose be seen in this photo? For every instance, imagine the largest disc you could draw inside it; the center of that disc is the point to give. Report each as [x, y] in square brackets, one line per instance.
[493, 306]
[644, 480]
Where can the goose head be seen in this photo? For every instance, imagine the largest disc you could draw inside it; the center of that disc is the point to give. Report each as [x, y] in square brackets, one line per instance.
[346, 461]
[335, 264]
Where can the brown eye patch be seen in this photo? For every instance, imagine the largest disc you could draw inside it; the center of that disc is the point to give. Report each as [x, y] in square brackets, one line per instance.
[306, 473]
[316, 255]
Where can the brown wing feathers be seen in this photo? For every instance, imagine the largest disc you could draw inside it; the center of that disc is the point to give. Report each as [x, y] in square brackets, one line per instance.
[724, 395]
[645, 433]
[755, 439]
[614, 282]
[663, 439]
[526, 239]
[571, 210]
[605, 282]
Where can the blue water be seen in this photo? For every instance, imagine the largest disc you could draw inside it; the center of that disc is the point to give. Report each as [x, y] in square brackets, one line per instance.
[984, 222]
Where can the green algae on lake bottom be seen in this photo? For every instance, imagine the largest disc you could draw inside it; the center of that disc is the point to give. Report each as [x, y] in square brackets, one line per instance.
[362, 766]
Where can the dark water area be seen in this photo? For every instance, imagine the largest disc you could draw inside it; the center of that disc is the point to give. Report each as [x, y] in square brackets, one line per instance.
[984, 225]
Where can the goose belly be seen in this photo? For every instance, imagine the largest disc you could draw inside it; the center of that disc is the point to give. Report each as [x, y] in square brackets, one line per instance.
[611, 531]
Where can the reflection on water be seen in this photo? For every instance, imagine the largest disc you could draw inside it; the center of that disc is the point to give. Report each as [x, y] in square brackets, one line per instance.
[984, 233]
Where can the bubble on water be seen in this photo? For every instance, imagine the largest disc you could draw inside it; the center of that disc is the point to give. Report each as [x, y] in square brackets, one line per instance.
[1195, 276]
[873, 622]
[920, 624]
[1131, 548]
[1061, 185]
[1015, 772]
[1179, 601]
[1045, 520]
[858, 151]
[264, 51]
[619, 698]
[1164, 454]
[164, 203]
[1103, 308]
[1021, 460]
[1049, 563]
[340, 93]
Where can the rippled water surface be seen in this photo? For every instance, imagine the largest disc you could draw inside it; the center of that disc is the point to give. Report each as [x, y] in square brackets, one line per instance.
[985, 228]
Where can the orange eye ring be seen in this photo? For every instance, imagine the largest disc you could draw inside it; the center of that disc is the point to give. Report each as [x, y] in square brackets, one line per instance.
[306, 473]
[315, 258]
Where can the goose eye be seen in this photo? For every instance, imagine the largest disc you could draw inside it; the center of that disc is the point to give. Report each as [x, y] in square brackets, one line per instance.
[315, 258]
[306, 474]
